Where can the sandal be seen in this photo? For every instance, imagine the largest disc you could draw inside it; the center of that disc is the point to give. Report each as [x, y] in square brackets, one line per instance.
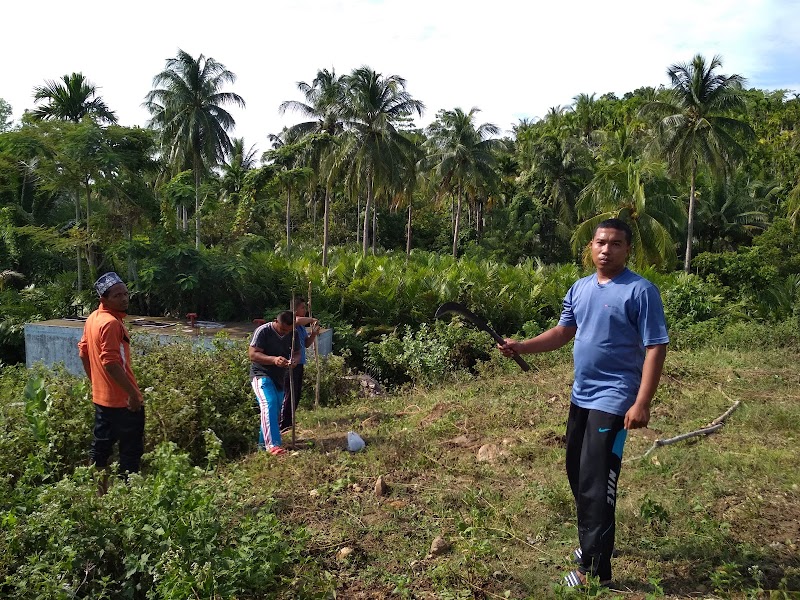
[576, 578]
[277, 451]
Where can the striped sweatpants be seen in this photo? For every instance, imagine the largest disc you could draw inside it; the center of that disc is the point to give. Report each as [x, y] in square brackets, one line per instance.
[269, 399]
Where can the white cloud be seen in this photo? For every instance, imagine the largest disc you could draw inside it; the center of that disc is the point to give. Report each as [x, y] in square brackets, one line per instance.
[508, 58]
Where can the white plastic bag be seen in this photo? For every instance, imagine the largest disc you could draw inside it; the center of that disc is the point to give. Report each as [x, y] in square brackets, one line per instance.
[354, 442]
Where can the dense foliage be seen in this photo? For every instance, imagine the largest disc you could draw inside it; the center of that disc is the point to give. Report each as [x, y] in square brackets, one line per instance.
[100, 194]
[177, 533]
[81, 194]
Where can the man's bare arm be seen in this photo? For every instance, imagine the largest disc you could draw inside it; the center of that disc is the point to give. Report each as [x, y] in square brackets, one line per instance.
[552, 339]
[639, 414]
[87, 366]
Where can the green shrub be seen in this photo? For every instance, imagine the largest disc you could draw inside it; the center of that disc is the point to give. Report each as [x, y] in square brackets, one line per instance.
[754, 335]
[179, 533]
[690, 300]
[749, 270]
[45, 417]
[191, 390]
[739, 335]
[332, 390]
[428, 355]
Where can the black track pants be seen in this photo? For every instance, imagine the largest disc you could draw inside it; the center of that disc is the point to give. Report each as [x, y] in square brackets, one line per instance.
[286, 408]
[595, 440]
[112, 425]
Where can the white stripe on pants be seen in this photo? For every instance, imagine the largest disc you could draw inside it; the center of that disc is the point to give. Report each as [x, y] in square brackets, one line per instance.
[269, 403]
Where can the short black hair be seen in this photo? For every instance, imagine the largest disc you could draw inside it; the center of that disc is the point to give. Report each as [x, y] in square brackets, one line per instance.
[617, 224]
[285, 318]
[298, 300]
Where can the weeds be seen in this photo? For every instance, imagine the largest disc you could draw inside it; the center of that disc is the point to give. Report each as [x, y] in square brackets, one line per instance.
[713, 516]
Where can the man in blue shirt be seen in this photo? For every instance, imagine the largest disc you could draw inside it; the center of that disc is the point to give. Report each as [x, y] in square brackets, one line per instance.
[617, 320]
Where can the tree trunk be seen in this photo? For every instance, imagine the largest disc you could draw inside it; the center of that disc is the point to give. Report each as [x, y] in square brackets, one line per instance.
[367, 207]
[479, 220]
[314, 212]
[456, 224]
[90, 259]
[408, 231]
[78, 246]
[687, 263]
[358, 219]
[374, 226]
[197, 202]
[288, 219]
[326, 227]
[131, 260]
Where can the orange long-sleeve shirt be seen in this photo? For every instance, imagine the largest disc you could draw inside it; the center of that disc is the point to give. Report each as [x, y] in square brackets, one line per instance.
[106, 341]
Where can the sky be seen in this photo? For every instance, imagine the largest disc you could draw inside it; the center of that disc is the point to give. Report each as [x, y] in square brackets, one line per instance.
[512, 59]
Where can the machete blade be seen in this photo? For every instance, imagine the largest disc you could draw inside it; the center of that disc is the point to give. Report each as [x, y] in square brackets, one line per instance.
[452, 307]
[460, 309]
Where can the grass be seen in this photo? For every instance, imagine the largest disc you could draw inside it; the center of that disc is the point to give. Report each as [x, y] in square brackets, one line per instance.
[711, 517]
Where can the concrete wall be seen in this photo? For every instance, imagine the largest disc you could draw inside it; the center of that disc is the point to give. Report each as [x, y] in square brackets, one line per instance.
[51, 344]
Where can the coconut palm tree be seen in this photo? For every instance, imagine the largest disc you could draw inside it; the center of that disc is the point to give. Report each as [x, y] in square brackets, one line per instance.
[70, 99]
[731, 214]
[286, 156]
[638, 192]
[696, 126]
[560, 167]
[631, 187]
[187, 109]
[460, 154]
[585, 116]
[323, 105]
[239, 162]
[373, 149]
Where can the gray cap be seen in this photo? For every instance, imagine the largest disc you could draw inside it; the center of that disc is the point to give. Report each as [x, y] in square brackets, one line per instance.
[106, 282]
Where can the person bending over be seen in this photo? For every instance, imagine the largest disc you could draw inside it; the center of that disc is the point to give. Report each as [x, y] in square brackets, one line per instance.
[302, 341]
[269, 354]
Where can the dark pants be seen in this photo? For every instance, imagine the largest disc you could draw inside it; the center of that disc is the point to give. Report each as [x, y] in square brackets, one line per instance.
[113, 425]
[595, 440]
[286, 409]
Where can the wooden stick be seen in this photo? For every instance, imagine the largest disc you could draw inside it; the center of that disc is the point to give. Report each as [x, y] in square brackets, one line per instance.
[316, 354]
[291, 370]
[710, 428]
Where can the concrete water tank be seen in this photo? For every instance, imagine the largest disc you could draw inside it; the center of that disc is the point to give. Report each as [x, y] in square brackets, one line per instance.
[56, 341]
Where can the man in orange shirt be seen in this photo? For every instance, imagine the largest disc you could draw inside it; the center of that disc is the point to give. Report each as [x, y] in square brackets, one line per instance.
[106, 355]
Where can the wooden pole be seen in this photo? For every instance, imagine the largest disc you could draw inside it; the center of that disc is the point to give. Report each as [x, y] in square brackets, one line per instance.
[291, 370]
[316, 354]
